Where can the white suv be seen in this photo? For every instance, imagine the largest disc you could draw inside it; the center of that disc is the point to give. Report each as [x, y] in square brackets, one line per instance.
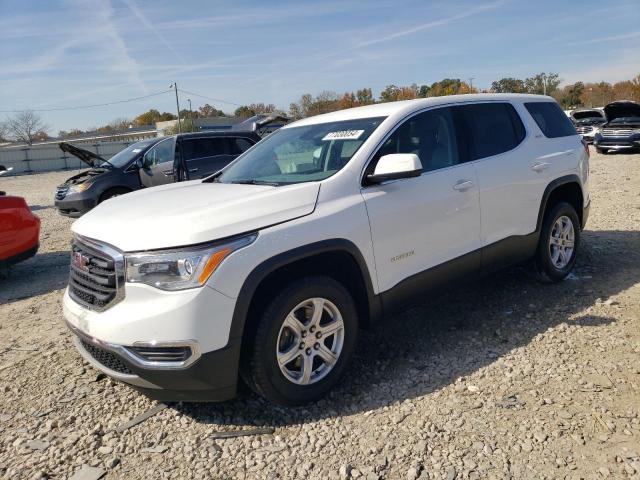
[268, 268]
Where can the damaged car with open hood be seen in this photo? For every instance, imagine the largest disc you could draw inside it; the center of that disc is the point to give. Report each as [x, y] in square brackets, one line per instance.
[588, 122]
[149, 163]
[622, 130]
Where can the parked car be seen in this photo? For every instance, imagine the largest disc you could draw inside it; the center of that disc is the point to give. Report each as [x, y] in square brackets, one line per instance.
[329, 224]
[19, 230]
[146, 164]
[622, 130]
[587, 122]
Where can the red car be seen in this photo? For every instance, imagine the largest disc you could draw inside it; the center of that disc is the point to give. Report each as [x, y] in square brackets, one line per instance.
[19, 230]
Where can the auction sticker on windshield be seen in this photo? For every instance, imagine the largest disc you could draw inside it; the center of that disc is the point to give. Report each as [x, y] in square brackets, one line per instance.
[343, 135]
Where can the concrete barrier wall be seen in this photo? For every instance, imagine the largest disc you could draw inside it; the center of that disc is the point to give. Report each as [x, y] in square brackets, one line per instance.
[45, 158]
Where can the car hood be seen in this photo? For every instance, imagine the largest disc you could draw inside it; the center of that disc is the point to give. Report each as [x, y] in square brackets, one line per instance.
[591, 115]
[90, 158]
[624, 108]
[193, 212]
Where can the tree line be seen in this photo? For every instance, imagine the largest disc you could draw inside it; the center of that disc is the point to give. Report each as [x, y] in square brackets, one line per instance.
[28, 127]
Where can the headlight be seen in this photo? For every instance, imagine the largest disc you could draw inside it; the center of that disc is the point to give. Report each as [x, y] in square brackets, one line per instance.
[79, 187]
[181, 269]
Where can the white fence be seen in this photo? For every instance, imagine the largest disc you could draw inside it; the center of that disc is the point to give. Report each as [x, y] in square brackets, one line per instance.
[45, 158]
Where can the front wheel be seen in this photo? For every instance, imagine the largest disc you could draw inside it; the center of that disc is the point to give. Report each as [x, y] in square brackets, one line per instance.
[558, 243]
[601, 150]
[303, 342]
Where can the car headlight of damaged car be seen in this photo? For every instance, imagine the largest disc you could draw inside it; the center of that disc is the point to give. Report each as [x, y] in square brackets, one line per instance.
[79, 187]
[184, 268]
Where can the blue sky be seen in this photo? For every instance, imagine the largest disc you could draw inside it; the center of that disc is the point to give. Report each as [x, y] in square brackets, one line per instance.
[60, 53]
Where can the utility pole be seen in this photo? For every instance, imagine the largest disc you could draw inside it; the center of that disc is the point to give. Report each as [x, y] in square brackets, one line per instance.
[174, 85]
[190, 111]
[544, 84]
[471, 84]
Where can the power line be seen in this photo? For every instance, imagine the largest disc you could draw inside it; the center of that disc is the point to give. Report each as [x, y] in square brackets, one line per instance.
[210, 98]
[81, 107]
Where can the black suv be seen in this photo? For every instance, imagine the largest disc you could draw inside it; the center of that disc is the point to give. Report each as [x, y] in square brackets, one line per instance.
[148, 163]
[622, 130]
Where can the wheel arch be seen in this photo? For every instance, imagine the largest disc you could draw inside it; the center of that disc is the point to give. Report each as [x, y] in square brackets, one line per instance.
[112, 188]
[567, 188]
[337, 258]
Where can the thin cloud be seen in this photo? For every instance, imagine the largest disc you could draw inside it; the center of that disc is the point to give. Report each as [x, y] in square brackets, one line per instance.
[117, 47]
[145, 21]
[613, 38]
[435, 23]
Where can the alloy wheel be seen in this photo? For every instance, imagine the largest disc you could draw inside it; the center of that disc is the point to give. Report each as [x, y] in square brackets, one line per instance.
[310, 341]
[561, 242]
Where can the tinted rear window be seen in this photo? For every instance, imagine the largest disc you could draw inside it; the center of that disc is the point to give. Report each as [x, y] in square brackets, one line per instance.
[487, 129]
[551, 119]
[203, 147]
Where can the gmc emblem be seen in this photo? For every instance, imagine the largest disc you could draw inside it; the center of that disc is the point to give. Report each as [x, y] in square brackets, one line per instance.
[80, 261]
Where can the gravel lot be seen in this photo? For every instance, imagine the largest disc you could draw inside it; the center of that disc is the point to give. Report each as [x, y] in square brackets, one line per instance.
[507, 379]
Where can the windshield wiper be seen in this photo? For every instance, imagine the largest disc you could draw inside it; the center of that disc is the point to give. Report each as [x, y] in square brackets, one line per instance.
[253, 181]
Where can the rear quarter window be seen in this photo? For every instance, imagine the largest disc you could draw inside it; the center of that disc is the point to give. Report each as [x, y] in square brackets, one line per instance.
[551, 119]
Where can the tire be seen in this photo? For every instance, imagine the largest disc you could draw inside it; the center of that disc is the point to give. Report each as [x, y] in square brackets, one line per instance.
[274, 340]
[113, 192]
[602, 150]
[553, 262]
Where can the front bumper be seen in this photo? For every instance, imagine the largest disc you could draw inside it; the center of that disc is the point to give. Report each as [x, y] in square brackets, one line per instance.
[76, 204]
[617, 143]
[212, 377]
[153, 320]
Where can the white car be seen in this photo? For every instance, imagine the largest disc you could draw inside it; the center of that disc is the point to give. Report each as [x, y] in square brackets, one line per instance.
[268, 268]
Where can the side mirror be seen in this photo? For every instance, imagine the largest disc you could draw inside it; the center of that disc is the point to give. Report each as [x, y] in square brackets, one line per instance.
[395, 166]
[140, 162]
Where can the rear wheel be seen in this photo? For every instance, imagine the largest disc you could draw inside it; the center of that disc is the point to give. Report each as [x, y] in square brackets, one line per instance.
[303, 342]
[601, 150]
[113, 192]
[558, 243]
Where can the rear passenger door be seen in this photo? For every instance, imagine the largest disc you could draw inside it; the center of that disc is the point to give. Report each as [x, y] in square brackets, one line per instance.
[494, 135]
[423, 222]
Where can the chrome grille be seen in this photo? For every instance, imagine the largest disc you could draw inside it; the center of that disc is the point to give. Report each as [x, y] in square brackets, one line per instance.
[96, 277]
[61, 192]
[583, 130]
[616, 132]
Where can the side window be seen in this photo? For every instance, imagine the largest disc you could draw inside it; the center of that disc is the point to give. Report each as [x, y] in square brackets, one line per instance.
[551, 119]
[488, 129]
[239, 145]
[430, 135]
[160, 153]
[194, 148]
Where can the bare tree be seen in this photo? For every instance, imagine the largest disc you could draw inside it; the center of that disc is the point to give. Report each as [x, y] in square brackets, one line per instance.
[4, 132]
[26, 126]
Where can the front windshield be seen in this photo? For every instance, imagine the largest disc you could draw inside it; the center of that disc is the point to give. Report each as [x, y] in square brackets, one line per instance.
[301, 154]
[625, 120]
[123, 157]
[588, 115]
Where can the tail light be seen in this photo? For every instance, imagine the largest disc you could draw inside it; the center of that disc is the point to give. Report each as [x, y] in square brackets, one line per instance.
[586, 148]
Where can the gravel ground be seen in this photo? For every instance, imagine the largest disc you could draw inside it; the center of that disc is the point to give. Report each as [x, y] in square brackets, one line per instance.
[507, 379]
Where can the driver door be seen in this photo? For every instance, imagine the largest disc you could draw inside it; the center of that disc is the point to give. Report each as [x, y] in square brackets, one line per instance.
[420, 225]
[157, 163]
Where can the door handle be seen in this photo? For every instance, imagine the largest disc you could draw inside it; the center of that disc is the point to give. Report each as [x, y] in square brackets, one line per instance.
[540, 166]
[463, 185]
[168, 173]
[193, 170]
